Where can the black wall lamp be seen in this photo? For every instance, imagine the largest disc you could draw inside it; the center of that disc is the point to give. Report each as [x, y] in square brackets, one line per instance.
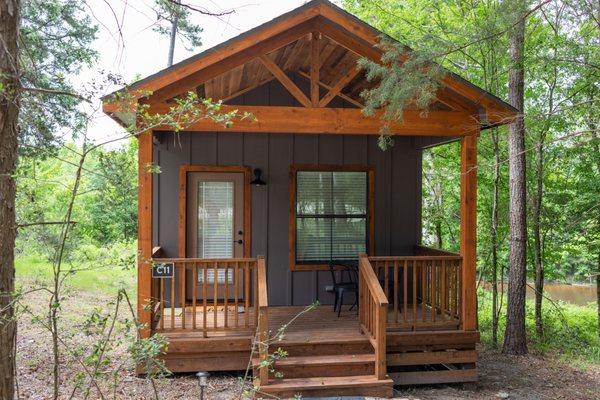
[257, 178]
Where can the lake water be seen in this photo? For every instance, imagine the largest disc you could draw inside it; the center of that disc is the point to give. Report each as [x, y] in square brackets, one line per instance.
[576, 294]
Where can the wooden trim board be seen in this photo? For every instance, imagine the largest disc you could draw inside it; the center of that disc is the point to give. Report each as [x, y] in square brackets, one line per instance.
[351, 121]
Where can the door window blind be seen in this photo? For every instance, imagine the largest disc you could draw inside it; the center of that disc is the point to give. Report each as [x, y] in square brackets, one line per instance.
[215, 224]
[331, 215]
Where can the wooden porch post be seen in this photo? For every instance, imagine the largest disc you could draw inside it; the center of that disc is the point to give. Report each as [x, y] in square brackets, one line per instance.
[468, 230]
[144, 231]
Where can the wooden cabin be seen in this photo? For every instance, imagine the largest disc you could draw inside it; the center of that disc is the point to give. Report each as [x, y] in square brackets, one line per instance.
[250, 218]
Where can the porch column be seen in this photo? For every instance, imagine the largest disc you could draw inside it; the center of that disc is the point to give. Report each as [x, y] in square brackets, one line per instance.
[144, 276]
[468, 229]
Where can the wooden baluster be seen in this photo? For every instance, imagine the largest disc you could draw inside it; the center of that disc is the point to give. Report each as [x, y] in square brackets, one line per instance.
[386, 280]
[162, 304]
[205, 298]
[386, 283]
[405, 290]
[194, 294]
[459, 291]
[236, 285]
[433, 292]
[172, 300]
[182, 294]
[369, 310]
[255, 291]
[247, 293]
[371, 313]
[361, 296]
[453, 292]
[414, 316]
[423, 291]
[215, 294]
[443, 290]
[396, 291]
[226, 296]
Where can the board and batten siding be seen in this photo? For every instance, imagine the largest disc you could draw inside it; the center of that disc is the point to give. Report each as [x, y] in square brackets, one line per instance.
[397, 189]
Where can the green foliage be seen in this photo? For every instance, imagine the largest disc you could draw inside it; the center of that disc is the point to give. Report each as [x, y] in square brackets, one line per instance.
[167, 12]
[403, 80]
[147, 353]
[441, 197]
[105, 213]
[113, 213]
[569, 329]
[55, 44]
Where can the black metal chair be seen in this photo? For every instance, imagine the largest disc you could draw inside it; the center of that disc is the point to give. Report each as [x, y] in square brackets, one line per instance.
[348, 283]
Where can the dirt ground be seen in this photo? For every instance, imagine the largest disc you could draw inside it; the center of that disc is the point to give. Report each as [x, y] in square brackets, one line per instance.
[500, 377]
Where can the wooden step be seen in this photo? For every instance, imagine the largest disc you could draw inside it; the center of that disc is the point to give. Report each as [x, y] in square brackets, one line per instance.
[359, 345]
[359, 385]
[323, 366]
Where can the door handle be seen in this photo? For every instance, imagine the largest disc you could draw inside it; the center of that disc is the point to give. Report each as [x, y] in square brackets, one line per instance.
[240, 241]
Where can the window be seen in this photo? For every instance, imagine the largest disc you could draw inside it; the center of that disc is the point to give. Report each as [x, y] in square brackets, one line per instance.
[331, 220]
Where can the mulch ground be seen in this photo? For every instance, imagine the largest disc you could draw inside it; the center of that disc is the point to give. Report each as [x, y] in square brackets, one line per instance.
[500, 377]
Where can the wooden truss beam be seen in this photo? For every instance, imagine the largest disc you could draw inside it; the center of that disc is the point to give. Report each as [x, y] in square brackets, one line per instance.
[315, 66]
[285, 81]
[337, 88]
[340, 94]
[350, 121]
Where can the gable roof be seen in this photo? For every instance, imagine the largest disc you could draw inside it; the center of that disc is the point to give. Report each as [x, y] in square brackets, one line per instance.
[334, 23]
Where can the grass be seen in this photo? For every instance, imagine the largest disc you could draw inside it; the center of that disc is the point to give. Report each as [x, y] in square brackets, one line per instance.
[569, 330]
[107, 279]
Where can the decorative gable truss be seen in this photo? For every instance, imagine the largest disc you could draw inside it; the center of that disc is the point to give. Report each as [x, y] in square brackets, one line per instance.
[320, 43]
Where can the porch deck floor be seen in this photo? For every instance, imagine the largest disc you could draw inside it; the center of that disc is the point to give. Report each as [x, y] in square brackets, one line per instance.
[319, 324]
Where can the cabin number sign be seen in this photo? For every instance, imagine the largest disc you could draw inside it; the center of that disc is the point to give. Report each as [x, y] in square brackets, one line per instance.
[163, 270]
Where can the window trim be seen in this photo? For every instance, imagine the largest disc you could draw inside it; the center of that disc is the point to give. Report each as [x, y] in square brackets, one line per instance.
[294, 168]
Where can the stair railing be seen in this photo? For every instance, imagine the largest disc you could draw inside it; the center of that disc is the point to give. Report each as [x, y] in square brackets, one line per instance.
[372, 313]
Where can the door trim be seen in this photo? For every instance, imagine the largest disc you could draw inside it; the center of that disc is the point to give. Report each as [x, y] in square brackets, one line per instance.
[183, 171]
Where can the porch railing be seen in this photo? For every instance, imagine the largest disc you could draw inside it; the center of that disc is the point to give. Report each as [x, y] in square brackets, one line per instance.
[372, 310]
[423, 291]
[206, 295]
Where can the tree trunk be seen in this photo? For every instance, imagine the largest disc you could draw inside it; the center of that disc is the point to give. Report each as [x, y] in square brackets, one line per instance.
[173, 35]
[9, 113]
[537, 237]
[515, 337]
[494, 236]
[598, 292]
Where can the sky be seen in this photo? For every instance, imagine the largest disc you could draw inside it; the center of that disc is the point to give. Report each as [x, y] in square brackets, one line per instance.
[129, 47]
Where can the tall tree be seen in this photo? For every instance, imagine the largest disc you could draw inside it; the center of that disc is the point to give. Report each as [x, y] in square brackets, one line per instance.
[514, 337]
[39, 48]
[9, 117]
[173, 20]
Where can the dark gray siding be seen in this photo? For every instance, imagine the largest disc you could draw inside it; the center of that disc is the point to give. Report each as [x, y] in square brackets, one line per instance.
[397, 189]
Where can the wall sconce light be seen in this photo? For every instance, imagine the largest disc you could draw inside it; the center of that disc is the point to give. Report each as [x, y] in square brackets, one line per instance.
[202, 382]
[257, 178]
